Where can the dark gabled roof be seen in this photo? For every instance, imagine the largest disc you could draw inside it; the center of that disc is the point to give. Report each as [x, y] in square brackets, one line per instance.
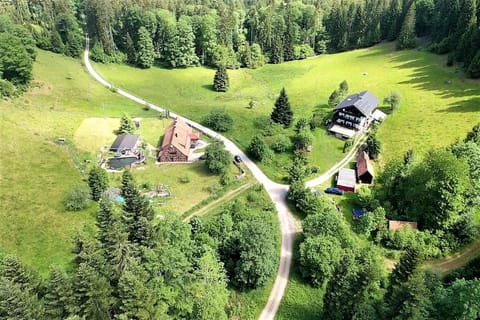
[364, 101]
[125, 142]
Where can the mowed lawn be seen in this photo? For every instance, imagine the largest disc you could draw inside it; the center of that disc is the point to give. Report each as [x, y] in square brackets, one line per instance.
[438, 104]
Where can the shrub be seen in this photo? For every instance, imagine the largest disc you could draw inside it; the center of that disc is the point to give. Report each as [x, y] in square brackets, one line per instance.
[280, 143]
[226, 179]
[393, 100]
[7, 89]
[219, 120]
[259, 150]
[217, 159]
[316, 121]
[77, 199]
[185, 179]
[303, 51]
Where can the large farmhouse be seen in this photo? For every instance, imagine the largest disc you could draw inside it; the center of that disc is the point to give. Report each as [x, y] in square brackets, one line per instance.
[354, 114]
[177, 142]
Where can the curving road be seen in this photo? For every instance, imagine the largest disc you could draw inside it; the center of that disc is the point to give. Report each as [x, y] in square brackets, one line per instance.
[276, 191]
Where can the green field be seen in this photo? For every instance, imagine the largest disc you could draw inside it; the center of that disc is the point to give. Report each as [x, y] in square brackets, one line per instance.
[36, 172]
[438, 104]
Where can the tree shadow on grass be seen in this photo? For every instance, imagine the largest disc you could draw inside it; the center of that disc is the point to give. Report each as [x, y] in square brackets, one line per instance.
[209, 87]
[444, 82]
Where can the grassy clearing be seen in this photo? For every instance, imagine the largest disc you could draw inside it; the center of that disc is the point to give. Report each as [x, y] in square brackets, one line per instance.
[94, 133]
[36, 173]
[439, 105]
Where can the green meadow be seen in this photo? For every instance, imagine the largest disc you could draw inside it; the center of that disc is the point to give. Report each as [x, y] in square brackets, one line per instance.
[438, 105]
[36, 172]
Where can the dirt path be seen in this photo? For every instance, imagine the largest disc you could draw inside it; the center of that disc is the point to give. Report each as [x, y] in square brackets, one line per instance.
[458, 259]
[228, 196]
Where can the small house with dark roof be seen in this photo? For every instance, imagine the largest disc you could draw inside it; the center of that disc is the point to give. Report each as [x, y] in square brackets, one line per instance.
[346, 180]
[353, 114]
[364, 168]
[177, 142]
[125, 143]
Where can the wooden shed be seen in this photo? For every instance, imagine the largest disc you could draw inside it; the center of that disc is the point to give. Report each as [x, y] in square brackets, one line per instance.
[364, 168]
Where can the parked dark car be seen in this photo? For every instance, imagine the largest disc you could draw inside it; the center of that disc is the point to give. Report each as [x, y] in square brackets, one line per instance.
[336, 191]
[237, 159]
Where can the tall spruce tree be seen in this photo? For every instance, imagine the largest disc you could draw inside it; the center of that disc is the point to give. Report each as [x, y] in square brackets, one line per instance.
[98, 182]
[282, 112]
[220, 80]
[145, 52]
[407, 37]
[126, 125]
[92, 292]
[58, 299]
[138, 213]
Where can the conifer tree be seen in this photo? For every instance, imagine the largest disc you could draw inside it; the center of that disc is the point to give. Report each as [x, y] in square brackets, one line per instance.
[137, 300]
[13, 270]
[126, 125]
[282, 112]
[145, 51]
[17, 303]
[105, 221]
[59, 302]
[474, 67]
[181, 51]
[92, 292]
[338, 94]
[18, 296]
[373, 146]
[407, 37]
[98, 182]
[220, 80]
[138, 213]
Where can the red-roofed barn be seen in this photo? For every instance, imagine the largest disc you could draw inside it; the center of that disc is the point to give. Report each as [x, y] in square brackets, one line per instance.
[364, 168]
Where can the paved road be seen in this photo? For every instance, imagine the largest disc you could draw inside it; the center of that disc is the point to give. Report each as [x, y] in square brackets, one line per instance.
[277, 193]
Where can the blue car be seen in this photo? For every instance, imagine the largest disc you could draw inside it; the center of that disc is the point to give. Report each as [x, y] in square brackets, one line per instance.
[334, 191]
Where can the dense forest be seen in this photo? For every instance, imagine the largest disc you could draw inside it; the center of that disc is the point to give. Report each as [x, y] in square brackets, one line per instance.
[133, 266]
[237, 33]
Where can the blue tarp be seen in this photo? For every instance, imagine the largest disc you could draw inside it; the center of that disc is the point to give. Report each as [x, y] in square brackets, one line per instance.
[357, 213]
[119, 199]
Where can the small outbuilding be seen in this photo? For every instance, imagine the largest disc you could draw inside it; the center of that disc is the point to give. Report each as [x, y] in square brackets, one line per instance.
[346, 180]
[396, 225]
[125, 142]
[364, 168]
